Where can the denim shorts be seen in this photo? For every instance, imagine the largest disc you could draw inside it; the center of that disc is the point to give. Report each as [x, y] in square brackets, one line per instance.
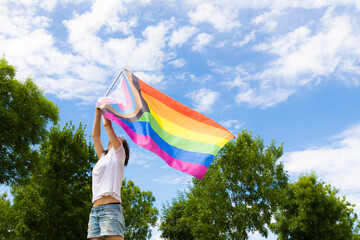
[106, 220]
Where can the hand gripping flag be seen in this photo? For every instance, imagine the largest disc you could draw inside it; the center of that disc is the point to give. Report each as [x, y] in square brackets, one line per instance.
[185, 139]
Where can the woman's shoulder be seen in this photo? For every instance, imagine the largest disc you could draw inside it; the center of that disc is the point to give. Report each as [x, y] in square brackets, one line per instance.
[121, 148]
[103, 154]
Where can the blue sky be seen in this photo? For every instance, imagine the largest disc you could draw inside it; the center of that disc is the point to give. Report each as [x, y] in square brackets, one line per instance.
[287, 70]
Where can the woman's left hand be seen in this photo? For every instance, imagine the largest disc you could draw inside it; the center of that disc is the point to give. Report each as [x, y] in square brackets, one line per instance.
[106, 121]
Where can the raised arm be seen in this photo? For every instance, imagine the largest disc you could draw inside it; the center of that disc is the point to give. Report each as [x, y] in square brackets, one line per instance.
[115, 141]
[96, 133]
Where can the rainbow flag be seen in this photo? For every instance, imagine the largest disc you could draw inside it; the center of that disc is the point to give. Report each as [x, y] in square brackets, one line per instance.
[185, 139]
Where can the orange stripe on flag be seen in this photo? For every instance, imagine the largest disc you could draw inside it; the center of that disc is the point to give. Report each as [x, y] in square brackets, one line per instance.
[175, 117]
[179, 107]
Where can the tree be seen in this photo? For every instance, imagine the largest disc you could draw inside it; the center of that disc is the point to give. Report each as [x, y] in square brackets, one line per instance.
[311, 210]
[173, 221]
[56, 200]
[139, 212]
[7, 220]
[24, 115]
[238, 194]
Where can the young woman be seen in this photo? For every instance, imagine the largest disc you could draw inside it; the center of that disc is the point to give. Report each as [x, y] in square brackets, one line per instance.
[106, 219]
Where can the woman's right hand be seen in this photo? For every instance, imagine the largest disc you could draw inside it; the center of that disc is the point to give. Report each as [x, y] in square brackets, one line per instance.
[98, 111]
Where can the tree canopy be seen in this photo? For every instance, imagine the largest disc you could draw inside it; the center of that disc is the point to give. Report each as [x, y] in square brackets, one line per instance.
[174, 223]
[24, 115]
[55, 201]
[311, 210]
[139, 212]
[238, 194]
[7, 220]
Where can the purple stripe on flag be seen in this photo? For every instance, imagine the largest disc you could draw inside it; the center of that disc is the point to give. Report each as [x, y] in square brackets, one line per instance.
[194, 169]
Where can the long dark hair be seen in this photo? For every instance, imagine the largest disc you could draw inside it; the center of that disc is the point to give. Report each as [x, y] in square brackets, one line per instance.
[127, 151]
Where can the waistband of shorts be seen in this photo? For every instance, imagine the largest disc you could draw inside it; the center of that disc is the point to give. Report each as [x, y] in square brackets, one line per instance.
[106, 206]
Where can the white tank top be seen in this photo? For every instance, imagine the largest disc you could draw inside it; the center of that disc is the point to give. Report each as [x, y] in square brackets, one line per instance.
[108, 173]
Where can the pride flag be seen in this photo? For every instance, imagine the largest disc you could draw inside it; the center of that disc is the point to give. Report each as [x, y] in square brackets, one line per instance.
[185, 139]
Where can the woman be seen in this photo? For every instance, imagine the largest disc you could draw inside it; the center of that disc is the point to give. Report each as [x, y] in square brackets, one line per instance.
[106, 218]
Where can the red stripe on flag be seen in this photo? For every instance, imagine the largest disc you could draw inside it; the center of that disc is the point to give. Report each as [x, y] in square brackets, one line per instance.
[179, 107]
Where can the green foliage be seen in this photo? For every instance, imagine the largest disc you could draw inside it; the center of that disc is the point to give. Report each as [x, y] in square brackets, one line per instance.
[56, 200]
[7, 220]
[24, 114]
[173, 220]
[238, 194]
[139, 212]
[311, 210]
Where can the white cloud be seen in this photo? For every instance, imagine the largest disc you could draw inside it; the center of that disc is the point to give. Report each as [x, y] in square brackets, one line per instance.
[268, 19]
[108, 36]
[200, 79]
[31, 48]
[203, 99]
[155, 232]
[232, 124]
[178, 63]
[150, 51]
[320, 54]
[221, 44]
[27, 43]
[150, 78]
[175, 180]
[272, 4]
[181, 36]
[110, 15]
[44, 5]
[69, 87]
[114, 52]
[224, 14]
[337, 164]
[263, 99]
[202, 40]
[64, 75]
[20, 20]
[218, 68]
[145, 54]
[223, 19]
[257, 236]
[302, 58]
[141, 157]
[83, 29]
[249, 37]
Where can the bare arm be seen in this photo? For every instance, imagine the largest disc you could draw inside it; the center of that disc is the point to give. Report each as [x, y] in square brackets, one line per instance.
[96, 133]
[115, 141]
